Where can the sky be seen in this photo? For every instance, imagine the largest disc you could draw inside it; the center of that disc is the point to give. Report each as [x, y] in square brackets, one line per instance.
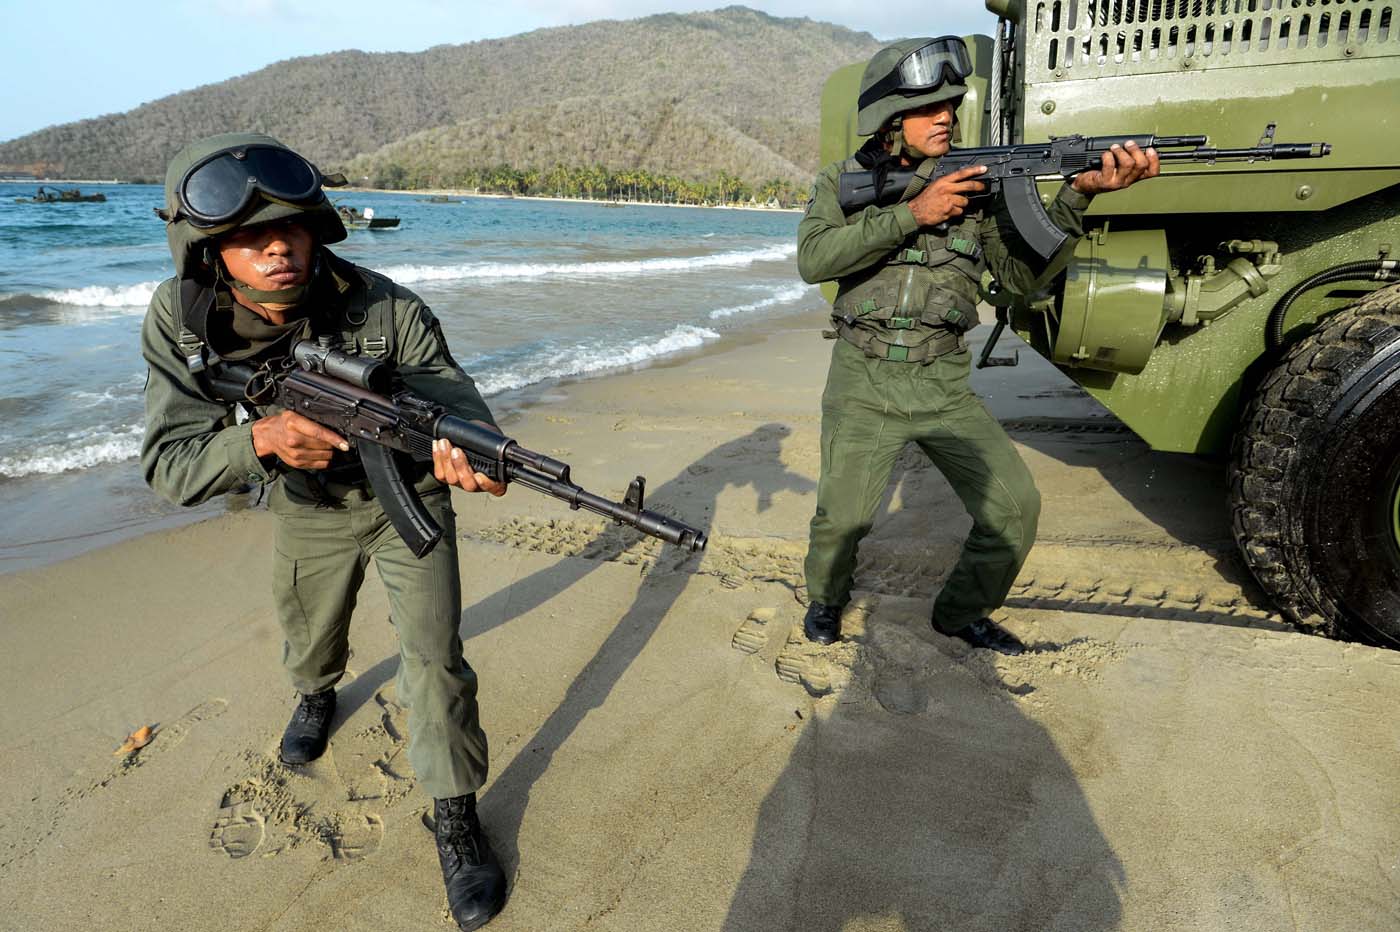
[73, 59]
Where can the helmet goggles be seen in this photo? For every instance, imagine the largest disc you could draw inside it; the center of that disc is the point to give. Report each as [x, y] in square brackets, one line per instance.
[218, 189]
[941, 61]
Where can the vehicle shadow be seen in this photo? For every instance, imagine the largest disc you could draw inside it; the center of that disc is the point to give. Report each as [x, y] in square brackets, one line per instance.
[1184, 498]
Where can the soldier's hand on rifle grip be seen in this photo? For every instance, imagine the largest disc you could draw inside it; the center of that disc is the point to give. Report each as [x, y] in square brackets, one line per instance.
[297, 441]
[947, 197]
[450, 466]
[1121, 167]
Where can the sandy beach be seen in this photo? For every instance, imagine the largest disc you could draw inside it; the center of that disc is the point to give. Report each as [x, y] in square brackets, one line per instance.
[668, 753]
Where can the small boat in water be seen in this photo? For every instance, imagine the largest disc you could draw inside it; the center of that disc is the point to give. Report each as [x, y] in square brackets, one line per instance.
[365, 219]
[47, 195]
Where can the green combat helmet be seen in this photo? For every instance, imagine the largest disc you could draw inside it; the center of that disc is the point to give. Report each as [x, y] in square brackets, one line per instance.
[908, 75]
[235, 180]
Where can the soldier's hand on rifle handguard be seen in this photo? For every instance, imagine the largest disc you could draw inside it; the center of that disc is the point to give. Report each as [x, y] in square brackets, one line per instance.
[450, 466]
[1121, 167]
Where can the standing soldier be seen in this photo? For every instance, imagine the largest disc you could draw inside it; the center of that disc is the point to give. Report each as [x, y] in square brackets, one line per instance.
[248, 225]
[907, 295]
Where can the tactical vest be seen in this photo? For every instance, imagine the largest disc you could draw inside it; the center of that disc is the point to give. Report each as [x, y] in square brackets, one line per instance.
[362, 325]
[918, 303]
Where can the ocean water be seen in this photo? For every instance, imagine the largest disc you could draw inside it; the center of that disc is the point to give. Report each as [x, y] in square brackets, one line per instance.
[528, 291]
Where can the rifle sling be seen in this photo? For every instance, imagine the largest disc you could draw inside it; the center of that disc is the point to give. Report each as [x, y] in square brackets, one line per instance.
[920, 179]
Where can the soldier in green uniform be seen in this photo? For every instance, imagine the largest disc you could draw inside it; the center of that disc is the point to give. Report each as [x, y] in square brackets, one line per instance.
[908, 279]
[248, 226]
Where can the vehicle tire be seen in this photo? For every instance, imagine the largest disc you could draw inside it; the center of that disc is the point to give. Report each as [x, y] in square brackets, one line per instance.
[1315, 476]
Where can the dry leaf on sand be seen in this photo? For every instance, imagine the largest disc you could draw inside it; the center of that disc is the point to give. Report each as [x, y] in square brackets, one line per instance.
[135, 741]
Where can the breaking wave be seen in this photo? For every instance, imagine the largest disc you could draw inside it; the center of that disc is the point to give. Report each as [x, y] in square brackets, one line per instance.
[783, 295]
[584, 359]
[408, 274]
[94, 450]
[138, 295]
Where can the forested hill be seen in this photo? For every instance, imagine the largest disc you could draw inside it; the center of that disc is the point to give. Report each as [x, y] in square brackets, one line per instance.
[731, 90]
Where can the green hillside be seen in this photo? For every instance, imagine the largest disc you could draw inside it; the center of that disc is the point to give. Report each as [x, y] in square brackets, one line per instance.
[691, 95]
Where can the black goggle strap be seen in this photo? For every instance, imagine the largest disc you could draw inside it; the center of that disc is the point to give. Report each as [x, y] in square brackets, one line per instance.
[951, 65]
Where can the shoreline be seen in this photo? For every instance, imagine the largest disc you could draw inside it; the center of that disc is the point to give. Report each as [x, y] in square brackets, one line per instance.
[464, 193]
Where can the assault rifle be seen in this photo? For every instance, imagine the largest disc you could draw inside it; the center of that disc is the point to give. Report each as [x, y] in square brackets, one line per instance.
[355, 397]
[1012, 170]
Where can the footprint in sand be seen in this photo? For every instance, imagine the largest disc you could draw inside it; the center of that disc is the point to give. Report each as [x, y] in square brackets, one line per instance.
[357, 838]
[392, 716]
[238, 831]
[899, 692]
[367, 761]
[797, 663]
[179, 729]
[752, 635]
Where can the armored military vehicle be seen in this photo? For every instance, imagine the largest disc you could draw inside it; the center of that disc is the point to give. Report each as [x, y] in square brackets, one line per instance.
[1238, 309]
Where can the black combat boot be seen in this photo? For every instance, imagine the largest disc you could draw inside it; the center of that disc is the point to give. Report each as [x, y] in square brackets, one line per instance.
[310, 727]
[823, 623]
[476, 885]
[987, 634]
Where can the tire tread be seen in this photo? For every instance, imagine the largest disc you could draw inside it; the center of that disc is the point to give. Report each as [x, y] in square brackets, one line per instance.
[1270, 446]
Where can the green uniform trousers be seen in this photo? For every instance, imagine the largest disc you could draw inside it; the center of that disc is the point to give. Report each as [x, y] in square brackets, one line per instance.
[319, 565]
[870, 409]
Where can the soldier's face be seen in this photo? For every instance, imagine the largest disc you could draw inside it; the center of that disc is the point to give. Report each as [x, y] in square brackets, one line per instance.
[269, 256]
[928, 131]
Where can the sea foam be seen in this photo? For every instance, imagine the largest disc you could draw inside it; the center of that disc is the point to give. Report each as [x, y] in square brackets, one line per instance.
[103, 296]
[782, 295]
[408, 274]
[583, 359]
[95, 450]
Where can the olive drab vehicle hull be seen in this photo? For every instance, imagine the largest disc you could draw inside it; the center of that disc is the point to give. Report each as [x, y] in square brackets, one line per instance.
[1238, 309]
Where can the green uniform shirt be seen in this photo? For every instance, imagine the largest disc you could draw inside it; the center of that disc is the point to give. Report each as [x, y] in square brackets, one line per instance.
[194, 450]
[831, 247]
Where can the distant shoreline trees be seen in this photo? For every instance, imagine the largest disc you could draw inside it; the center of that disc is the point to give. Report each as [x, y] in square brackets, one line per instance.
[593, 182]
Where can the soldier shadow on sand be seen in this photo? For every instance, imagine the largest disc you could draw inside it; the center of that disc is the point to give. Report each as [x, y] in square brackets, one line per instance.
[928, 803]
[693, 496]
[926, 799]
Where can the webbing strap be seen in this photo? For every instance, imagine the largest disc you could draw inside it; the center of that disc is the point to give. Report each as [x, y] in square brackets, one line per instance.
[869, 343]
[196, 300]
[921, 176]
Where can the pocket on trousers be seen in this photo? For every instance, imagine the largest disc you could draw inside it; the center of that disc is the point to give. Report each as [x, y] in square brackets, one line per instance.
[829, 445]
[284, 590]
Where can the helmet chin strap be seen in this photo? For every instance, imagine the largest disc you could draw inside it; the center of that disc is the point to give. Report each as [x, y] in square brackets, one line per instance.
[289, 297]
[896, 136]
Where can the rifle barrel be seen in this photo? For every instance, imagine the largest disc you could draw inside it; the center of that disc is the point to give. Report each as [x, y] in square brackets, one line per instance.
[1278, 150]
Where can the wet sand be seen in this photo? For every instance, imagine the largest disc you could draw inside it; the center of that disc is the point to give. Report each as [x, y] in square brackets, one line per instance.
[669, 754]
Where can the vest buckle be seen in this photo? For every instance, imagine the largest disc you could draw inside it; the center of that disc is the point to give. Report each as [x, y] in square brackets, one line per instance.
[965, 247]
